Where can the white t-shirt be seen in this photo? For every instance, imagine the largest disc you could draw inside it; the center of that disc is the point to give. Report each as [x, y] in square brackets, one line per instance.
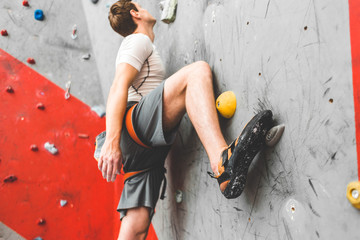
[138, 51]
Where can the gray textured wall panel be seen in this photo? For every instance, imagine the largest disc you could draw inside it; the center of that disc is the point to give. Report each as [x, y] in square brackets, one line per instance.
[262, 52]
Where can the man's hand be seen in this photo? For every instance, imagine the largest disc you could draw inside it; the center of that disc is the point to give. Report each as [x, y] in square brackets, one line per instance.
[110, 160]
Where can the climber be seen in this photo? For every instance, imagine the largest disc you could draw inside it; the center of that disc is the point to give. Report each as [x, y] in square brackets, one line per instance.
[143, 115]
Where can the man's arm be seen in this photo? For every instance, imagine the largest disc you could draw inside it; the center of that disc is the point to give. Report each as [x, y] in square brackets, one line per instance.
[110, 157]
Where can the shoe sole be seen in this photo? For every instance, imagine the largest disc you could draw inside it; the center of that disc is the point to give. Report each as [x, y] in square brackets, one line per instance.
[251, 141]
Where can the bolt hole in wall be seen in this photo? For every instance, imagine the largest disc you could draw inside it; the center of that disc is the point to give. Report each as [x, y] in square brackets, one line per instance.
[331, 100]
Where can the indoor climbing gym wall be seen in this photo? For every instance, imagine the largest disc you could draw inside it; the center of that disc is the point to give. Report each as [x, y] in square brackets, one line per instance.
[301, 59]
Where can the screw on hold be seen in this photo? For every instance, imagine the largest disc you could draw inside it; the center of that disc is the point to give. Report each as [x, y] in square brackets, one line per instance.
[63, 202]
[4, 33]
[86, 56]
[41, 221]
[34, 148]
[178, 196]
[83, 135]
[67, 93]
[40, 106]
[9, 89]
[39, 14]
[73, 33]
[31, 61]
[9, 179]
[355, 193]
[25, 3]
[51, 148]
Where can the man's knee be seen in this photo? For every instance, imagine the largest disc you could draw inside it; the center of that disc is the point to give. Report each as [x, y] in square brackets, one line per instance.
[202, 69]
[135, 224]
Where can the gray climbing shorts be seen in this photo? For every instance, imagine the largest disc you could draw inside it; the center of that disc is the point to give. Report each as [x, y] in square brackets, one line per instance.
[143, 189]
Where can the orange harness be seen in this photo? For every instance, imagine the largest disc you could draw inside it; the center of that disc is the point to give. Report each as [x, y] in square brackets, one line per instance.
[130, 127]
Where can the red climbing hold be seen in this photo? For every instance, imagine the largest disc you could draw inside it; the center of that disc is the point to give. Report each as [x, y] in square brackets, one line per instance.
[25, 3]
[9, 89]
[31, 61]
[4, 33]
[10, 178]
[83, 135]
[41, 221]
[40, 106]
[34, 148]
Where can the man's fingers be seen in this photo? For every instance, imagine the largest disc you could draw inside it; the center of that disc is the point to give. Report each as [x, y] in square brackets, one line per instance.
[113, 175]
[100, 163]
[116, 170]
[104, 169]
[109, 171]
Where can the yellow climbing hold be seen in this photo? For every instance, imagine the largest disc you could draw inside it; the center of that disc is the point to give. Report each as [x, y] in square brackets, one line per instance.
[353, 194]
[226, 104]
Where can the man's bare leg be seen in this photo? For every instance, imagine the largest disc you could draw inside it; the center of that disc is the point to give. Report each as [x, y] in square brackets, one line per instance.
[191, 90]
[135, 224]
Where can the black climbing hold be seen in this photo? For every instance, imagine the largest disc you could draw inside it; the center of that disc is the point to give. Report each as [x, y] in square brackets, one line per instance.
[11, 178]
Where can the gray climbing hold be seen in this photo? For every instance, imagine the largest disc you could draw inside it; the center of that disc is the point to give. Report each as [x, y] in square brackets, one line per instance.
[63, 202]
[38, 238]
[99, 109]
[94, 1]
[179, 196]
[168, 10]
[51, 148]
[86, 56]
[274, 134]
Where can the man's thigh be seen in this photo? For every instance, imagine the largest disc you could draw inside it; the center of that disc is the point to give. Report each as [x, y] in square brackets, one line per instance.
[174, 98]
[135, 224]
[175, 91]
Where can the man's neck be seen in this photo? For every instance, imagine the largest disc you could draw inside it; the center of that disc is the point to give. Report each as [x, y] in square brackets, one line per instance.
[148, 31]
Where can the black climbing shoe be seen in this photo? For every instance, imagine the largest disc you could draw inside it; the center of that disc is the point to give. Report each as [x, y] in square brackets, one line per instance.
[237, 157]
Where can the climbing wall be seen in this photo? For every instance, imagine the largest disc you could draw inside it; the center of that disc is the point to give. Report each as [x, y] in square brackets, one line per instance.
[293, 57]
[297, 58]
